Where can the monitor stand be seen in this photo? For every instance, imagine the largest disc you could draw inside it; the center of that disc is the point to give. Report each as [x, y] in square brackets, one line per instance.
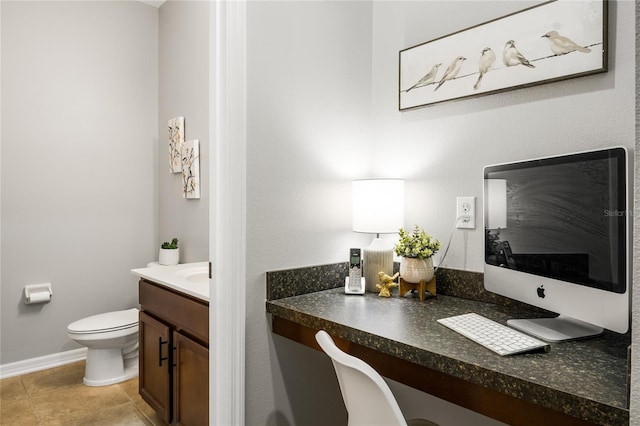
[556, 329]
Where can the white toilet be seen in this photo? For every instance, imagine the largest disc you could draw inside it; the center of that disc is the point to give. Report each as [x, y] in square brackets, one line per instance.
[112, 340]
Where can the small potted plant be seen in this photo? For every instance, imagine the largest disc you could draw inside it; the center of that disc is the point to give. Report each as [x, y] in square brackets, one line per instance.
[416, 250]
[169, 253]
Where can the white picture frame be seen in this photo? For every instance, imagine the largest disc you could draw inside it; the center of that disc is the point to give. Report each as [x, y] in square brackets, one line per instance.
[176, 139]
[191, 169]
[549, 42]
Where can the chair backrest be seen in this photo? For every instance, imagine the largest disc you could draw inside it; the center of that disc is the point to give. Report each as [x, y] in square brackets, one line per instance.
[366, 395]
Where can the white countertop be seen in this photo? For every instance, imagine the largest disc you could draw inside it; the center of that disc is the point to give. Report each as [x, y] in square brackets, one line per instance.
[188, 278]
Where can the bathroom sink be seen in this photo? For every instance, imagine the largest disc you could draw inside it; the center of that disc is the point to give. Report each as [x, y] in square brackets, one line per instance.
[189, 278]
[197, 275]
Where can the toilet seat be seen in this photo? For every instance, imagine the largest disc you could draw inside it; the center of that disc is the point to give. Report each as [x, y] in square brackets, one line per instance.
[104, 323]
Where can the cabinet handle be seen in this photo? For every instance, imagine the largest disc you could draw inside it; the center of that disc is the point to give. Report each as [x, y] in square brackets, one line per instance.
[160, 357]
[175, 348]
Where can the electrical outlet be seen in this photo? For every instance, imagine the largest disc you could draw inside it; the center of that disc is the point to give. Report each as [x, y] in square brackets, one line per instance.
[466, 212]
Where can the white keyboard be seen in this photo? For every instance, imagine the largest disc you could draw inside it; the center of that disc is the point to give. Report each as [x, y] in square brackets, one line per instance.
[499, 338]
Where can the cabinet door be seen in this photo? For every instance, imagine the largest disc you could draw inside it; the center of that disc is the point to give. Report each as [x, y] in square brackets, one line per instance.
[191, 382]
[155, 365]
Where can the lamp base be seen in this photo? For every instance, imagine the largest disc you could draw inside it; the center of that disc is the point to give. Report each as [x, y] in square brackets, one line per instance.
[377, 257]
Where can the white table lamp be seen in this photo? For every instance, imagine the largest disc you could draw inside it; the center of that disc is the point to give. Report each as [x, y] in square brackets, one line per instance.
[378, 208]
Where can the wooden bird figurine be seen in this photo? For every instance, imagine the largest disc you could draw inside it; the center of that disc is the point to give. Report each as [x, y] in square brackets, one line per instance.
[386, 284]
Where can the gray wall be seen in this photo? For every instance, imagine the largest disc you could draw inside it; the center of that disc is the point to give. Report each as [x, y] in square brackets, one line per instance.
[79, 135]
[323, 110]
[183, 40]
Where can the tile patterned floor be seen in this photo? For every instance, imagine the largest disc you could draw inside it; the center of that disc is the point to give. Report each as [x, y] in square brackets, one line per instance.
[58, 397]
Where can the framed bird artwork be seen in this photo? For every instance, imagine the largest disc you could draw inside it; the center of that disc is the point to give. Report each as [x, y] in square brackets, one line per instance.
[549, 42]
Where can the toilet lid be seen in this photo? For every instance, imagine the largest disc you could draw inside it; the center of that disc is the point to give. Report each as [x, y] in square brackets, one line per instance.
[110, 321]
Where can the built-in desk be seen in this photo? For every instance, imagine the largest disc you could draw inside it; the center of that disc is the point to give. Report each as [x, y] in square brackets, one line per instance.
[578, 382]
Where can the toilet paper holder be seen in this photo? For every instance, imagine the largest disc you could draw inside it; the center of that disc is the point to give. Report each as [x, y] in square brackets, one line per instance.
[37, 293]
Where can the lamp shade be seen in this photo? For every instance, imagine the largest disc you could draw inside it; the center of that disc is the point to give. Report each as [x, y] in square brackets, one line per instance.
[378, 205]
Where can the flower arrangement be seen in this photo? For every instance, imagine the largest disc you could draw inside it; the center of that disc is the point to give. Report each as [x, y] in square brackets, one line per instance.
[417, 244]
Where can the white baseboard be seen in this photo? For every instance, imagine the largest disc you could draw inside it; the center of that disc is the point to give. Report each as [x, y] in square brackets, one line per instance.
[42, 363]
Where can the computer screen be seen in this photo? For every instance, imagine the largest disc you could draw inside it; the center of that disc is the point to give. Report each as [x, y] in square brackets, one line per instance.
[556, 237]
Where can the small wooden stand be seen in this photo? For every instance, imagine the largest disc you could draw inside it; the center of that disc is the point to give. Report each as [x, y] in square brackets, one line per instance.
[422, 286]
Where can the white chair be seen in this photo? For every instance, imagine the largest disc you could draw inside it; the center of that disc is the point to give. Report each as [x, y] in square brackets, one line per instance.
[366, 395]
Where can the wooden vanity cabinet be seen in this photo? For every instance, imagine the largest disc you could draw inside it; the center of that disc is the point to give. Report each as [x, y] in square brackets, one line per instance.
[155, 378]
[174, 354]
[191, 389]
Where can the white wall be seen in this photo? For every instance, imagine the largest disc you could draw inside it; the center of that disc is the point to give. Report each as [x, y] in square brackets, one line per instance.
[183, 40]
[79, 130]
[308, 110]
[309, 96]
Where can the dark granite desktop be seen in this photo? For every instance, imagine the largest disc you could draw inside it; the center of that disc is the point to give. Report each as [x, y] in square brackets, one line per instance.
[586, 379]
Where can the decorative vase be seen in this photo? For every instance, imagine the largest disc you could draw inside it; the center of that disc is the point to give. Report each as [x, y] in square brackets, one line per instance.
[414, 270]
[169, 256]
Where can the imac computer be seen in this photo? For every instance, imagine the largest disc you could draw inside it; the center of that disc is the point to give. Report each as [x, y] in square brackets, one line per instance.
[556, 237]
